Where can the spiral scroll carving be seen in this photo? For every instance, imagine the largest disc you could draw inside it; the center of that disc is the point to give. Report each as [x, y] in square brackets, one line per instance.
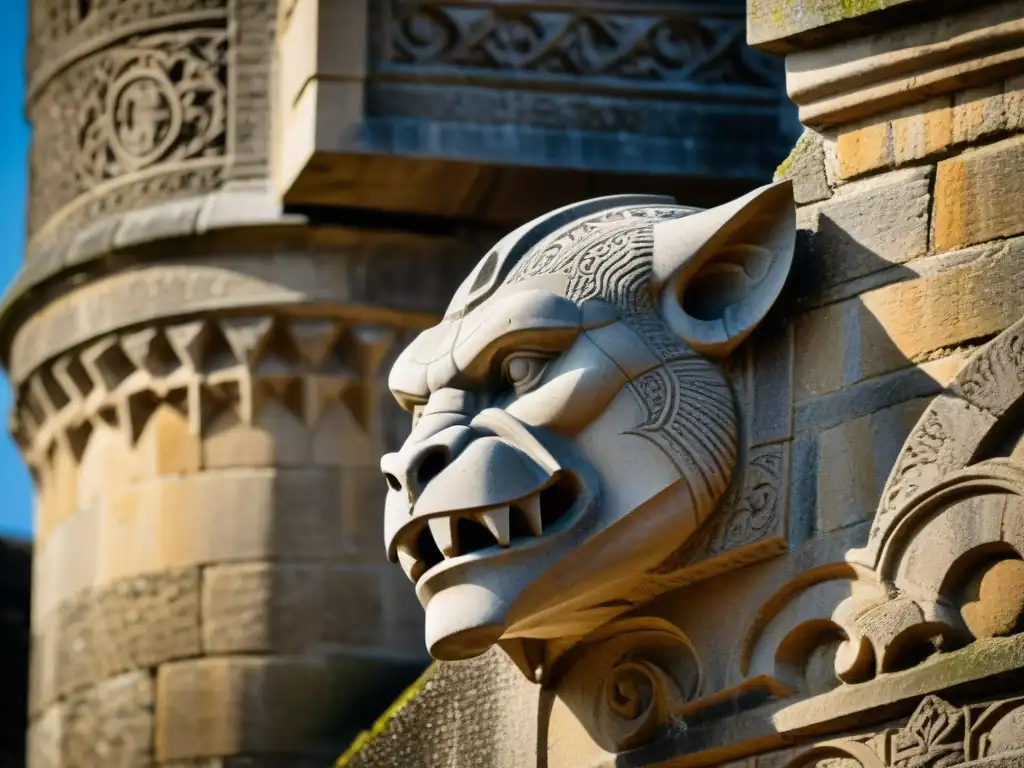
[629, 680]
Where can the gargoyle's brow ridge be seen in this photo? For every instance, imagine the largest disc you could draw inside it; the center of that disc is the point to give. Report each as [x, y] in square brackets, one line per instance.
[496, 265]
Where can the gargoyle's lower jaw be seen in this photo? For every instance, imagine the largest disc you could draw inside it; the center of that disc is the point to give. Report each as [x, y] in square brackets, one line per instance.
[444, 542]
[470, 599]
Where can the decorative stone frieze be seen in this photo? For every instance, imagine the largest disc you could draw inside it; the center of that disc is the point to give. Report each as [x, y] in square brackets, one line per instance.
[458, 88]
[227, 367]
[135, 103]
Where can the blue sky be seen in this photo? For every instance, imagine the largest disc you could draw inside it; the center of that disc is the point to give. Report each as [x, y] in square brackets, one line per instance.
[15, 487]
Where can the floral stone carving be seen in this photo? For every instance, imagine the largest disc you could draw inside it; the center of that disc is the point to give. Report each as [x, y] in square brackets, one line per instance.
[571, 427]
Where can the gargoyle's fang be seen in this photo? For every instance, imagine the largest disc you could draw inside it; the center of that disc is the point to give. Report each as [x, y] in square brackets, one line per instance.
[443, 531]
[530, 507]
[497, 522]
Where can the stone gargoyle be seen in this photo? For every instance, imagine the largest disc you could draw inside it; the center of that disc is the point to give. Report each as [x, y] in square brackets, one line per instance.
[570, 426]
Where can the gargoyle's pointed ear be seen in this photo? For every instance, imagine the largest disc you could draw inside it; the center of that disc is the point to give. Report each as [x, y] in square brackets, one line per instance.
[718, 272]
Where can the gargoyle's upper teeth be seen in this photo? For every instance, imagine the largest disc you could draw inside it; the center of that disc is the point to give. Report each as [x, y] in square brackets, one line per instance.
[497, 522]
[443, 531]
[530, 507]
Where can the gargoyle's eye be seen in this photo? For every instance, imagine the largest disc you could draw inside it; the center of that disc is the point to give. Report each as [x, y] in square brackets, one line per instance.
[523, 371]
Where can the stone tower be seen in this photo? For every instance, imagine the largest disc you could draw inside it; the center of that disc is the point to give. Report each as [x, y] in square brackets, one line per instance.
[239, 212]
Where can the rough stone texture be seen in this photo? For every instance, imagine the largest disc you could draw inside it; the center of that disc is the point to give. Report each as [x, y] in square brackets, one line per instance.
[933, 127]
[805, 167]
[277, 705]
[854, 462]
[866, 227]
[977, 195]
[290, 608]
[912, 133]
[132, 624]
[911, 321]
[111, 724]
[493, 714]
[771, 22]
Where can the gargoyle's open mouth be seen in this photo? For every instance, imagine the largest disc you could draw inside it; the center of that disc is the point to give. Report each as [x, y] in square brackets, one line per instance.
[430, 542]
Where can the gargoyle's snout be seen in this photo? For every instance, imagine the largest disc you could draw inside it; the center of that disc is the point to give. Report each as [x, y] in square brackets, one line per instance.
[472, 488]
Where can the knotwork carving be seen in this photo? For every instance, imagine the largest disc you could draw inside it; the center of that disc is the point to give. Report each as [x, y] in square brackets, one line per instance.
[610, 42]
[209, 369]
[57, 27]
[937, 735]
[629, 679]
[157, 100]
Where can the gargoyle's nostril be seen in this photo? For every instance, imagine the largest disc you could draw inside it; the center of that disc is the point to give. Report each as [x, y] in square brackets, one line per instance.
[430, 467]
[393, 483]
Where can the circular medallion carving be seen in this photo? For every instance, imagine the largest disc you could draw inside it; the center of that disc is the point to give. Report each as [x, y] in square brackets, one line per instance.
[146, 117]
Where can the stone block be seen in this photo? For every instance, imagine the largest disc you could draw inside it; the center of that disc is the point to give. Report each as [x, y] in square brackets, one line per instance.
[820, 350]
[276, 438]
[779, 26]
[863, 148]
[290, 607]
[854, 462]
[978, 113]
[68, 561]
[805, 167]
[224, 515]
[131, 624]
[900, 137]
[243, 705]
[909, 322]
[166, 446]
[866, 227]
[977, 195]
[111, 724]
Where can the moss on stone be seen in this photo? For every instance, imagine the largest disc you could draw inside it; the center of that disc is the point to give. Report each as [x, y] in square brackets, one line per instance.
[773, 19]
[382, 722]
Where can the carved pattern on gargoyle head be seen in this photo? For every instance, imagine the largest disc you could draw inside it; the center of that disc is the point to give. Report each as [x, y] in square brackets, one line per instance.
[570, 426]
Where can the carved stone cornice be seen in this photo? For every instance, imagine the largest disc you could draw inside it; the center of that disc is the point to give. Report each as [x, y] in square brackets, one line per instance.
[383, 277]
[211, 369]
[869, 72]
[564, 86]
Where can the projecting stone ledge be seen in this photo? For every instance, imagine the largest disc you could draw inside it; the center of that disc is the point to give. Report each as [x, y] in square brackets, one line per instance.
[784, 26]
[512, 111]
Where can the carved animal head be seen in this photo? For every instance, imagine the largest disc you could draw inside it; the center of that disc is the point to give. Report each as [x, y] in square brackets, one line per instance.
[570, 428]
